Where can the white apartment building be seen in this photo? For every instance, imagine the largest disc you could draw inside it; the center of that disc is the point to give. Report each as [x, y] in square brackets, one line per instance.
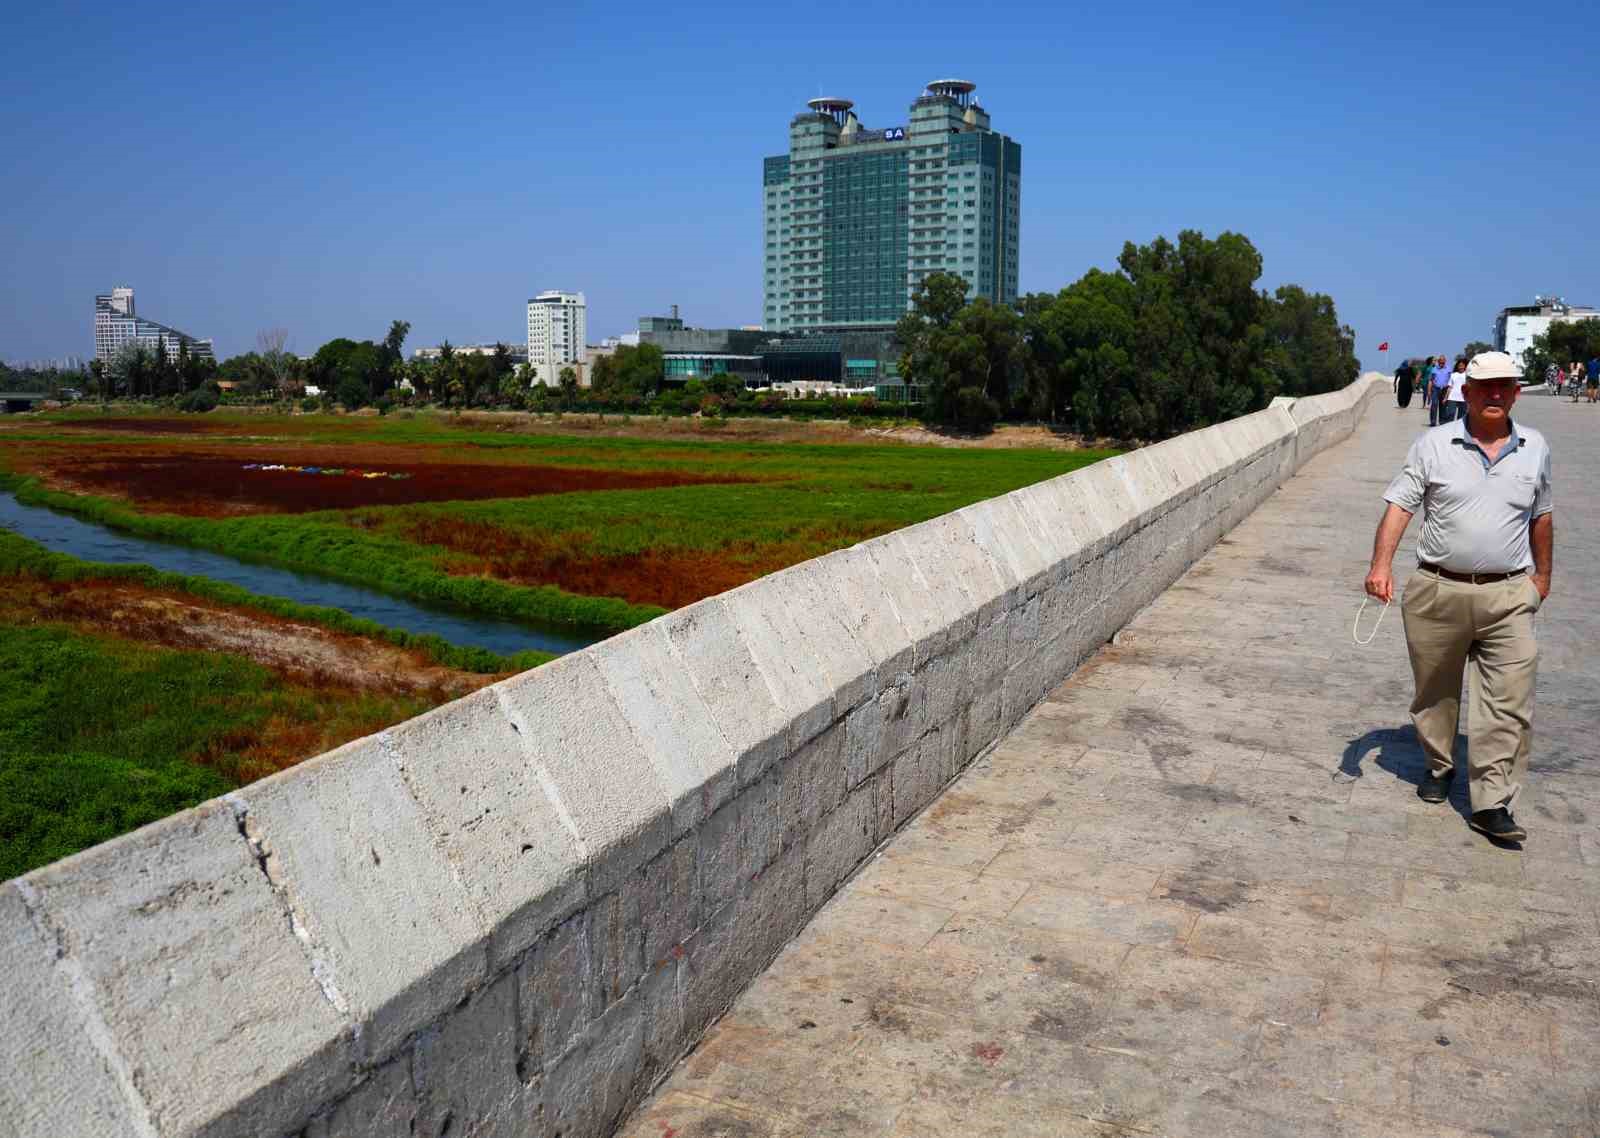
[558, 323]
[1515, 328]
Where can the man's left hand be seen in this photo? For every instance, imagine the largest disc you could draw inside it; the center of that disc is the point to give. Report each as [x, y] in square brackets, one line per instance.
[1542, 583]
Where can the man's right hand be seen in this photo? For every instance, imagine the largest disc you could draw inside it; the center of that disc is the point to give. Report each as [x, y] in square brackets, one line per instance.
[1380, 584]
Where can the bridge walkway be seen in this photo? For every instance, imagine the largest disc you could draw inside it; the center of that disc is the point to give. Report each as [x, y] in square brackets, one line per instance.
[1194, 892]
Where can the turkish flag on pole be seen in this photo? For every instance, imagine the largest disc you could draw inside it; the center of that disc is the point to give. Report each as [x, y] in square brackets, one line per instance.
[1383, 347]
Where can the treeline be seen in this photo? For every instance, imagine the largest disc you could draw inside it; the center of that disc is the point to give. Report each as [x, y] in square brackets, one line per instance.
[1178, 337]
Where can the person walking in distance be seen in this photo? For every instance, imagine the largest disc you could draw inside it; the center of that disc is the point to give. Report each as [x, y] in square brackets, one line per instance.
[1405, 379]
[1592, 381]
[1438, 384]
[1484, 563]
[1455, 404]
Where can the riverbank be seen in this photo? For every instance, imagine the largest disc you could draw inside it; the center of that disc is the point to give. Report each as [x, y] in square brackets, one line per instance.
[501, 519]
[127, 694]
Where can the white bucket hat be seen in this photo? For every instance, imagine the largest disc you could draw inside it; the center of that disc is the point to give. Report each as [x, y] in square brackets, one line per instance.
[1493, 365]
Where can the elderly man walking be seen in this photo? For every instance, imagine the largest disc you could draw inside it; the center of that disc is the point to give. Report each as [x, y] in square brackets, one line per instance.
[1484, 561]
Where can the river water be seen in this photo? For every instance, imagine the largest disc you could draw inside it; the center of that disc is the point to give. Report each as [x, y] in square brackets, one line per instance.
[63, 533]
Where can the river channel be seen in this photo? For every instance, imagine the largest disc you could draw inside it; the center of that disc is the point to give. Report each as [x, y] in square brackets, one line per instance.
[63, 533]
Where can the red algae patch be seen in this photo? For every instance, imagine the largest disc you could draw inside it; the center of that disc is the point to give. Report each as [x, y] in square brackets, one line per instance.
[141, 425]
[667, 577]
[257, 482]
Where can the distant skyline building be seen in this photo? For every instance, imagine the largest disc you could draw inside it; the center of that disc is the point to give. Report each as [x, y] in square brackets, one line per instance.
[855, 219]
[518, 353]
[558, 323]
[1516, 326]
[117, 324]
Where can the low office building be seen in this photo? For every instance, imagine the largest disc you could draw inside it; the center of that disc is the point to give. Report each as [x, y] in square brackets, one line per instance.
[117, 324]
[680, 367]
[1516, 327]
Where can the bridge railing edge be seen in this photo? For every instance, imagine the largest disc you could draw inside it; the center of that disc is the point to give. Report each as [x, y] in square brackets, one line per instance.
[519, 910]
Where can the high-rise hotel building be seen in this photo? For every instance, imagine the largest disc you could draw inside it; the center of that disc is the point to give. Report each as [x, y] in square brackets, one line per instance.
[856, 218]
[116, 325]
[558, 323]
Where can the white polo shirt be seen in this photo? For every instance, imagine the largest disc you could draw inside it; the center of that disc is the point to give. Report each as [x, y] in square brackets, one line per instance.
[1475, 513]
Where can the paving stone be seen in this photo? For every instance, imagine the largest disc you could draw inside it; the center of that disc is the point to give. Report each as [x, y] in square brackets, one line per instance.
[1067, 870]
[913, 880]
[1235, 917]
[1134, 922]
[689, 1116]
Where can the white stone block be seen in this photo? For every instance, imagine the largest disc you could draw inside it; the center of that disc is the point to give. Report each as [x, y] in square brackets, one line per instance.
[706, 642]
[693, 760]
[794, 672]
[849, 577]
[60, 1073]
[823, 615]
[172, 937]
[983, 527]
[919, 613]
[388, 925]
[951, 572]
[584, 751]
[485, 808]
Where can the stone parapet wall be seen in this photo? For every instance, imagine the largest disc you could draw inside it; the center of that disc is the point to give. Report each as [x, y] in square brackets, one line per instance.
[510, 916]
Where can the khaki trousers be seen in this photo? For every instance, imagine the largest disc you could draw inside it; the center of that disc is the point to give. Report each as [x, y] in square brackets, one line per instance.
[1450, 624]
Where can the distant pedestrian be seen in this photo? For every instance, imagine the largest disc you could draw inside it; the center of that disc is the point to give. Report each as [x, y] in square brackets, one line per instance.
[1405, 380]
[1438, 384]
[1484, 562]
[1593, 380]
[1455, 404]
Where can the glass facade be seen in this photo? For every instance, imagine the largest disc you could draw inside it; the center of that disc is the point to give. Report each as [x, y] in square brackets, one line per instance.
[116, 325]
[854, 219]
[683, 366]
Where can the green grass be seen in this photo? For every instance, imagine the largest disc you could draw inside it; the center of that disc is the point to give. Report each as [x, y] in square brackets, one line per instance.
[99, 736]
[811, 498]
[21, 557]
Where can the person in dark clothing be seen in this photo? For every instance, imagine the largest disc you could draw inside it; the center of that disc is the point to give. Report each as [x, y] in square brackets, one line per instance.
[1405, 379]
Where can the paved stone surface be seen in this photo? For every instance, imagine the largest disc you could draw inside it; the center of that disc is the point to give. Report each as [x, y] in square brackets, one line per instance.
[1194, 893]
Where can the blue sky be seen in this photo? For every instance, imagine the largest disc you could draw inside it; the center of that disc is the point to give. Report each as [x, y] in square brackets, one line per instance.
[327, 168]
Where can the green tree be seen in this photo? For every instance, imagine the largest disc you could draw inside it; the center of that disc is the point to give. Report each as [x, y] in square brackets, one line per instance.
[1098, 379]
[630, 370]
[1311, 352]
[971, 357]
[347, 368]
[1476, 348]
[390, 356]
[129, 370]
[1200, 344]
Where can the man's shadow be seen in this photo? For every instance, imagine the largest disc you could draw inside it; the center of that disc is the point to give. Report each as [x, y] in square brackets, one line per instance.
[1398, 751]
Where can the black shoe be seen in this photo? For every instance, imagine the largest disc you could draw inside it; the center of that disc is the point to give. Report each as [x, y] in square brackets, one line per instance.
[1497, 824]
[1435, 787]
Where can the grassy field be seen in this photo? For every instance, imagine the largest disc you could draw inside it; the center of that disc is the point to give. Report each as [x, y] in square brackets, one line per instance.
[597, 532]
[127, 693]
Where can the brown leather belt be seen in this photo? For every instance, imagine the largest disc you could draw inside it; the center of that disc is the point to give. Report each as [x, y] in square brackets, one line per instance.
[1469, 578]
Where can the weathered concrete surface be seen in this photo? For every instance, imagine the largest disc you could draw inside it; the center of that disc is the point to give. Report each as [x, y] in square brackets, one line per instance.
[512, 915]
[1194, 893]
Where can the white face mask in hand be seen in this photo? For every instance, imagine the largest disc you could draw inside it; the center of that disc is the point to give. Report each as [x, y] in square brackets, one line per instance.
[1354, 628]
